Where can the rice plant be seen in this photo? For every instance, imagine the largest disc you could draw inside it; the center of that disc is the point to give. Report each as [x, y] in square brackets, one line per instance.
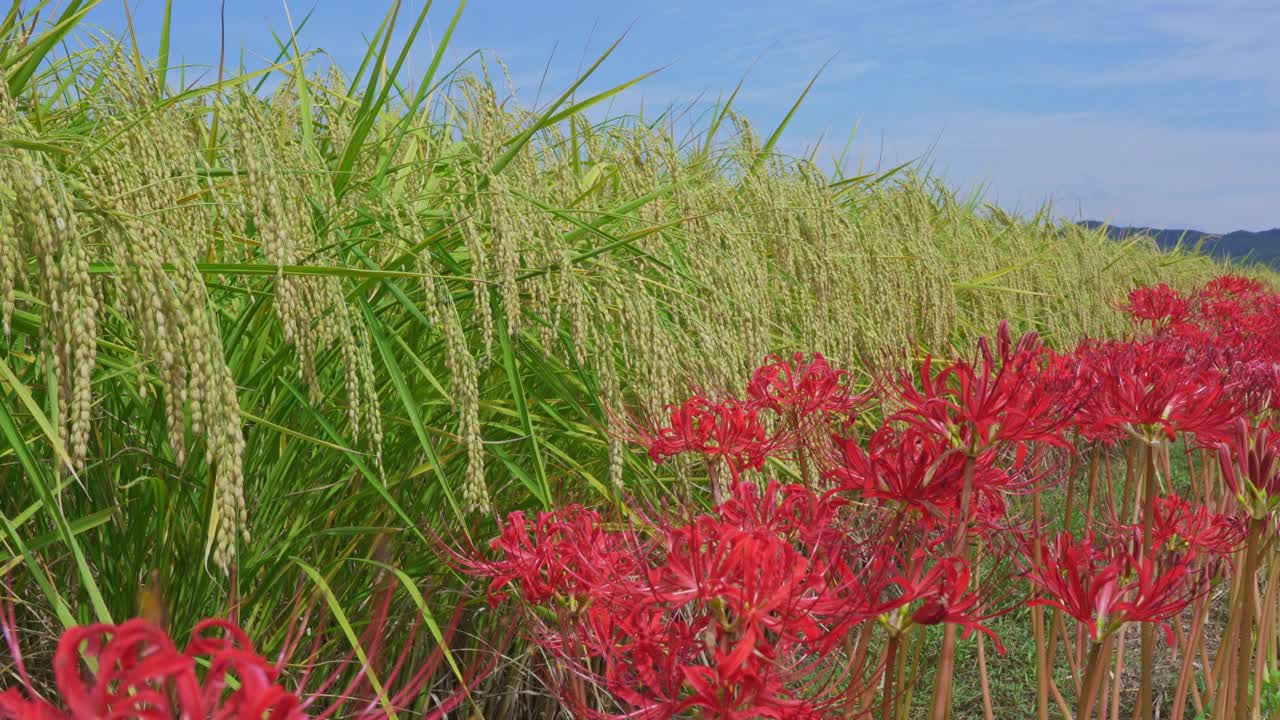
[286, 331]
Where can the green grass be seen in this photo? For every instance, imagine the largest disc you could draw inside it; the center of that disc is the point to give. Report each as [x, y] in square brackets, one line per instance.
[455, 257]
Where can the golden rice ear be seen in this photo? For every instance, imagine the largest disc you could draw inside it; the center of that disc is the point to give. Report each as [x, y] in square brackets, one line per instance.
[151, 604]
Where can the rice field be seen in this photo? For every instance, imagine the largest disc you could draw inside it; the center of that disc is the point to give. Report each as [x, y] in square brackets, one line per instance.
[287, 346]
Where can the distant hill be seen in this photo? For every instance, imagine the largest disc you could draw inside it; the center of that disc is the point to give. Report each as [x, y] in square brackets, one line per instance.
[1241, 245]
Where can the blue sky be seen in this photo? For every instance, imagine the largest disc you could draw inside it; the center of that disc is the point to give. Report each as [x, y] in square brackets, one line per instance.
[1163, 113]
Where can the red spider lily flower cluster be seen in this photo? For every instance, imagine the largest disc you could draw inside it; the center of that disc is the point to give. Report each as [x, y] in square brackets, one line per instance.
[1239, 312]
[1017, 393]
[731, 431]
[134, 670]
[1108, 582]
[1230, 312]
[1159, 305]
[567, 554]
[1255, 386]
[802, 387]
[800, 394]
[1211, 355]
[1153, 390]
[916, 471]
[1179, 525]
[729, 613]
[931, 587]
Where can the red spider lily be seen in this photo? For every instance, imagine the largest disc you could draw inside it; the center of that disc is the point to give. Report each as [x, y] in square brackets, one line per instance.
[1179, 526]
[1250, 462]
[760, 697]
[1255, 385]
[909, 468]
[728, 614]
[1016, 393]
[1159, 305]
[1233, 304]
[915, 471]
[644, 654]
[1233, 286]
[1242, 322]
[808, 397]
[1153, 390]
[1234, 312]
[729, 430]
[663, 665]
[134, 670]
[793, 512]
[802, 388]
[138, 669]
[1159, 589]
[947, 597]
[1079, 580]
[1105, 585]
[765, 585]
[924, 587]
[955, 603]
[563, 554]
